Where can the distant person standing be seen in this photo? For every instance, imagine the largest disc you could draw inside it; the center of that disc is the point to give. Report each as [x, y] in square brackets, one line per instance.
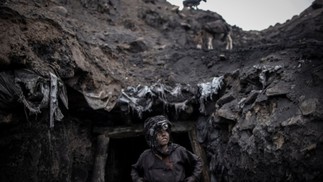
[165, 161]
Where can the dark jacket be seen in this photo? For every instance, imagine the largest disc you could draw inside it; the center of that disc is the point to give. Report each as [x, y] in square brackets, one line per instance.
[178, 166]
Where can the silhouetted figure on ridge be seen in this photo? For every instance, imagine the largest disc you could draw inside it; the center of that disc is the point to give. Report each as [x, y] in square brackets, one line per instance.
[191, 3]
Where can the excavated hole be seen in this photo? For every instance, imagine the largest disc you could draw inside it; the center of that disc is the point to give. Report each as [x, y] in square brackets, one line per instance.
[123, 152]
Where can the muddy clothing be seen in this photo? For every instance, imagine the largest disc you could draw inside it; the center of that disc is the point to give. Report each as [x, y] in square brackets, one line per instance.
[179, 165]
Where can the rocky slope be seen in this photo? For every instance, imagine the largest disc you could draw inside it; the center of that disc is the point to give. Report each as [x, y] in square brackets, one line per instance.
[72, 68]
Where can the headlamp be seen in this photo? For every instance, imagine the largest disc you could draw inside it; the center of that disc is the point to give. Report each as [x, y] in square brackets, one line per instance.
[162, 125]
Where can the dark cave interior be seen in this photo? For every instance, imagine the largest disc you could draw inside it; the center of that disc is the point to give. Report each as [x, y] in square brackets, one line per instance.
[123, 152]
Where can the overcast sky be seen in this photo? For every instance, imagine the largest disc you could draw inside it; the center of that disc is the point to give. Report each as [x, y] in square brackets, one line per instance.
[253, 14]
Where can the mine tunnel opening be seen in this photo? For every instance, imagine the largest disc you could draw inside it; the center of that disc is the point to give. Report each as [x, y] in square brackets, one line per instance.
[123, 152]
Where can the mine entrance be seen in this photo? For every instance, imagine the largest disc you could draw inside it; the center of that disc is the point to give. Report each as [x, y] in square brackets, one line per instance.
[123, 152]
[119, 148]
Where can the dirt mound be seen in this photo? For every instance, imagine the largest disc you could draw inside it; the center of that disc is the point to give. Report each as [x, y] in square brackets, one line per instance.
[73, 72]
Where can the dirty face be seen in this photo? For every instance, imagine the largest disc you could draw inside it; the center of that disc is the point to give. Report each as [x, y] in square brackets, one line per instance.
[162, 137]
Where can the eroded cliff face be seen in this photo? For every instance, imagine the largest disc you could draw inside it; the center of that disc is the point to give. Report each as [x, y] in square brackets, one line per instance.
[78, 78]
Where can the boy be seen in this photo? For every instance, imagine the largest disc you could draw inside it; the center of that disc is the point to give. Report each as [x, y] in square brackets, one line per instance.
[164, 161]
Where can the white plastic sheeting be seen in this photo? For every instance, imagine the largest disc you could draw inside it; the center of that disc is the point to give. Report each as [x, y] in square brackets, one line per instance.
[142, 98]
[55, 113]
[208, 89]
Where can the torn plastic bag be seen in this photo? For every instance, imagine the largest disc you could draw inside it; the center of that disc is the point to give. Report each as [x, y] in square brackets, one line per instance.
[207, 90]
[142, 98]
[139, 99]
[33, 91]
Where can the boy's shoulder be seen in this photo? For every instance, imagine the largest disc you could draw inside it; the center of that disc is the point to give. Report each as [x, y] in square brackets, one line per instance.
[146, 152]
[178, 147]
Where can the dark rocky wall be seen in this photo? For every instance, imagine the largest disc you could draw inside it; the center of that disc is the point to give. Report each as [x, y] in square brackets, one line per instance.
[31, 151]
[263, 124]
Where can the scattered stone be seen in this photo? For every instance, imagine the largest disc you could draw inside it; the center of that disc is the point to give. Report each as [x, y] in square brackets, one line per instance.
[281, 88]
[225, 99]
[248, 122]
[297, 120]
[308, 106]
[61, 10]
[229, 111]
